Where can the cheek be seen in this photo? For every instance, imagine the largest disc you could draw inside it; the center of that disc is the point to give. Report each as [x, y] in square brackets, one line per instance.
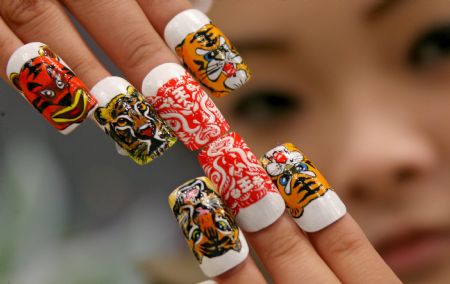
[430, 109]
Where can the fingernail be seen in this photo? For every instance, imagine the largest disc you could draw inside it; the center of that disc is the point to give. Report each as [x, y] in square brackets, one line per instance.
[50, 86]
[126, 116]
[208, 226]
[183, 104]
[309, 198]
[206, 52]
[243, 184]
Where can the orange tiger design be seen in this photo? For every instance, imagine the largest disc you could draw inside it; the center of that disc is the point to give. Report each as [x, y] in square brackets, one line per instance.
[297, 179]
[211, 57]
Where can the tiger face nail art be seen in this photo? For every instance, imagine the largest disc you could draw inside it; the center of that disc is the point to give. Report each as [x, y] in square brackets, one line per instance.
[206, 52]
[308, 196]
[127, 117]
[50, 86]
[208, 226]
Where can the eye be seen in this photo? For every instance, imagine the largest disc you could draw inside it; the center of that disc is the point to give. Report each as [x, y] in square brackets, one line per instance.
[122, 121]
[262, 106]
[196, 234]
[142, 107]
[284, 179]
[48, 93]
[209, 56]
[301, 168]
[223, 225]
[431, 47]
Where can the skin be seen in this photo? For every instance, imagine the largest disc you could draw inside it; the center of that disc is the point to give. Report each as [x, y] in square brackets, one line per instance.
[373, 121]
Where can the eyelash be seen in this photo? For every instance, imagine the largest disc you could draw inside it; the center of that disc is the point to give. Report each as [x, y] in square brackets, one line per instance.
[430, 47]
[267, 104]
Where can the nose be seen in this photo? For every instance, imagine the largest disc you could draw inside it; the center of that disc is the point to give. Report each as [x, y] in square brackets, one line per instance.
[382, 154]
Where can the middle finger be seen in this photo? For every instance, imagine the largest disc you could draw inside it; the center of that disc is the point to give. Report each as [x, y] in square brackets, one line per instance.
[127, 36]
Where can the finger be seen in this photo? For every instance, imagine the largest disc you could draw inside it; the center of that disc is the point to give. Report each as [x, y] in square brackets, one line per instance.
[201, 46]
[46, 21]
[8, 44]
[127, 36]
[317, 209]
[244, 273]
[350, 255]
[211, 232]
[154, 136]
[39, 73]
[288, 255]
[249, 193]
[160, 12]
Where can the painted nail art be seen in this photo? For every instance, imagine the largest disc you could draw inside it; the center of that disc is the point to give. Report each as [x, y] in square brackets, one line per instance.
[183, 104]
[126, 116]
[208, 226]
[243, 184]
[50, 86]
[309, 198]
[206, 52]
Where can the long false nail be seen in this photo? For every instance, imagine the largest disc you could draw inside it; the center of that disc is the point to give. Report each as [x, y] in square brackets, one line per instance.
[50, 86]
[309, 198]
[126, 116]
[243, 184]
[206, 52]
[183, 104]
[208, 226]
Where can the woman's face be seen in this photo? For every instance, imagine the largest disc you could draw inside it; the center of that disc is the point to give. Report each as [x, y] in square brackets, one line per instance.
[363, 88]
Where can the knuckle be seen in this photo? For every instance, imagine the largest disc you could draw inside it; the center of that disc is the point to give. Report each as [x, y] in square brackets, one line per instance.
[20, 12]
[347, 244]
[285, 248]
[139, 49]
[83, 66]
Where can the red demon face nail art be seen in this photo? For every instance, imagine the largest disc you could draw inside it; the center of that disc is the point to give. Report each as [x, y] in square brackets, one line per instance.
[51, 87]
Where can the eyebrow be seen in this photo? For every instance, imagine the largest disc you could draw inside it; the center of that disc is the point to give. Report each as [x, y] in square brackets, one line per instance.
[382, 7]
[264, 45]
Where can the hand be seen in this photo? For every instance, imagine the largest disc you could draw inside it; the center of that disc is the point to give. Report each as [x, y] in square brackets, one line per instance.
[128, 31]
[339, 253]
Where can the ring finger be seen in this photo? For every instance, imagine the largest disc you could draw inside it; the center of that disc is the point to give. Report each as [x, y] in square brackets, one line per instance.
[46, 21]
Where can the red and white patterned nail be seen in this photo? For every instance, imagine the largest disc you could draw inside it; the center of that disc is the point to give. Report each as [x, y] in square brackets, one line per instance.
[184, 105]
[244, 185]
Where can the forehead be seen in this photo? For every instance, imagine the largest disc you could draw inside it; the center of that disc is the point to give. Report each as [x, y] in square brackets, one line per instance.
[272, 15]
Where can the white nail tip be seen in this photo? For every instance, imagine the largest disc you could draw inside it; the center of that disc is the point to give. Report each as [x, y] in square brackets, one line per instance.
[159, 75]
[182, 24]
[262, 213]
[22, 55]
[108, 88]
[321, 212]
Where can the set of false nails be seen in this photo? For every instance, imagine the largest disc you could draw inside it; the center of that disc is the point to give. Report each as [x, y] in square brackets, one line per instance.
[240, 189]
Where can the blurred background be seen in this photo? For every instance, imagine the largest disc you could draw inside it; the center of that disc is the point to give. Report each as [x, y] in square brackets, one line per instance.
[74, 211]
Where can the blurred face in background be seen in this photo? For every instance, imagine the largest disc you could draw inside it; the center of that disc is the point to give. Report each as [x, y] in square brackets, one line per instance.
[363, 88]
